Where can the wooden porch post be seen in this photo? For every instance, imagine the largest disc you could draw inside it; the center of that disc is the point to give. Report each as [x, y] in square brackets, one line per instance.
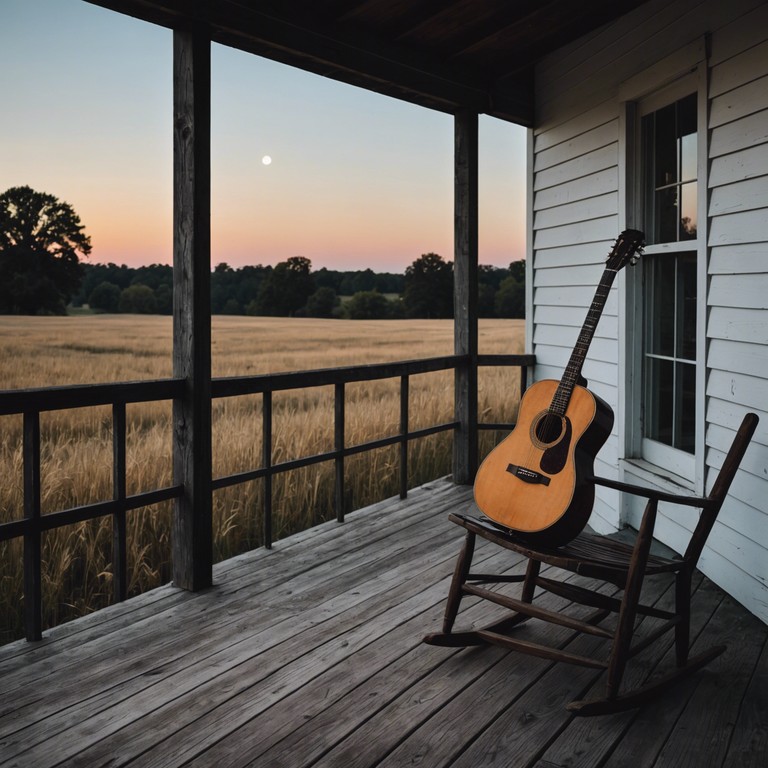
[192, 521]
[465, 295]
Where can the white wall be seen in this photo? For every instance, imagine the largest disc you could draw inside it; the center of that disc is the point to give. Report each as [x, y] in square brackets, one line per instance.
[578, 206]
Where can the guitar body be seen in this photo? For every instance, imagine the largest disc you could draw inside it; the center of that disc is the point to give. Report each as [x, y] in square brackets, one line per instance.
[533, 481]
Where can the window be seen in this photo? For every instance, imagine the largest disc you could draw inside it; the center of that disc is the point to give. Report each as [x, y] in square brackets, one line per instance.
[669, 212]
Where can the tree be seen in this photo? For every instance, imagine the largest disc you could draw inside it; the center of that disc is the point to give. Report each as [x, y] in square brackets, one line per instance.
[368, 305]
[322, 302]
[164, 299]
[510, 298]
[429, 287]
[105, 296]
[287, 288]
[517, 270]
[41, 242]
[138, 299]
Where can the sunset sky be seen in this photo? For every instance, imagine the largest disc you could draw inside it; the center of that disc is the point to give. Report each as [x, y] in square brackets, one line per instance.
[356, 179]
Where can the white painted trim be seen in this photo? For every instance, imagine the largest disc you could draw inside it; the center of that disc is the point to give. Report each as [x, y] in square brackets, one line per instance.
[664, 72]
[702, 344]
[671, 78]
[529, 214]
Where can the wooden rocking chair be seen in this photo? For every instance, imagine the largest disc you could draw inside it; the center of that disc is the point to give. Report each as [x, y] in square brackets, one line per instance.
[608, 560]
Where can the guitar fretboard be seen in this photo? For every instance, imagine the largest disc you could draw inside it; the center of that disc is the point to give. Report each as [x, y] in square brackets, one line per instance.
[573, 370]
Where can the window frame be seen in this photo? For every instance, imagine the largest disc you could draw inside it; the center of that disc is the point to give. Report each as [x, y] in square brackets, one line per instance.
[680, 75]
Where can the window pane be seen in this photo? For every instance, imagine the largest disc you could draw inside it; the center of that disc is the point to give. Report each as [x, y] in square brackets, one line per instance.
[685, 407]
[688, 204]
[688, 157]
[665, 150]
[670, 405]
[666, 216]
[660, 305]
[686, 309]
[659, 399]
[686, 115]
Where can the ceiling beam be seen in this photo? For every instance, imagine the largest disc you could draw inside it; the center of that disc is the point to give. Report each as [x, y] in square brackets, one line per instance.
[367, 62]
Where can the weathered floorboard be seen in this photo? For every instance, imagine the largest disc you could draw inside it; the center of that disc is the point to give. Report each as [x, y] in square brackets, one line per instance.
[310, 655]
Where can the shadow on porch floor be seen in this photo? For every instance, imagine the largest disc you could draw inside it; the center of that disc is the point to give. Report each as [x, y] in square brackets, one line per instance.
[311, 655]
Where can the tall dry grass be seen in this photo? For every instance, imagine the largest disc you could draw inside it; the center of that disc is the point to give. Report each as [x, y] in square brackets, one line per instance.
[76, 446]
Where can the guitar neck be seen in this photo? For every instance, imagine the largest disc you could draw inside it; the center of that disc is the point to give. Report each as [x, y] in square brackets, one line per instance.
[573, 370]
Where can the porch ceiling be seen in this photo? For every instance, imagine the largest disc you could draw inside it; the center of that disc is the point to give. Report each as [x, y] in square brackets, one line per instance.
[443, 54]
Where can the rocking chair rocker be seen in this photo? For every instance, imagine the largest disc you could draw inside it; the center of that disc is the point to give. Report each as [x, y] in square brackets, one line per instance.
[606, 559]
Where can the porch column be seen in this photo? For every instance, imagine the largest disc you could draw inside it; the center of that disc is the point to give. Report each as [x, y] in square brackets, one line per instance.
[192, 520]
[465, 295]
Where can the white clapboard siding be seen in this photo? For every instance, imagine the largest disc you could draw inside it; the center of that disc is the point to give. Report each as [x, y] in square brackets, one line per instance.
[601, 349]
[748, 195]
[634, 43]
[592, 185]
[577, 207]
[738, 324]
[729, 75]
[588, 140]
[572, 255]
[582, 210]
[587, 275]
[736, 167]
[751, 359]
[748, 391]
[741, 102]
[581, 125]
[752, 131]
[605, 157]
[741, 34]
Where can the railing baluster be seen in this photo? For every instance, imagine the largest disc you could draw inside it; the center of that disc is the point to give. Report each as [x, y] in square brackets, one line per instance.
[32, 402]
[266, 453]
[339, 448]
[404, 394]
[119, 491]
[33, 594]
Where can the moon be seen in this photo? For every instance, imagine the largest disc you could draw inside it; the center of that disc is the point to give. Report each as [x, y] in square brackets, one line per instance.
[266, 160]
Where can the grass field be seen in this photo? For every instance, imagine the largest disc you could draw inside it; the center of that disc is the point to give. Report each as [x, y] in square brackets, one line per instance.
[76, 451]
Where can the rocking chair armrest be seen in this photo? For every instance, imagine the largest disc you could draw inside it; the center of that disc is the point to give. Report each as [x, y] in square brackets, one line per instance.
[652, 493]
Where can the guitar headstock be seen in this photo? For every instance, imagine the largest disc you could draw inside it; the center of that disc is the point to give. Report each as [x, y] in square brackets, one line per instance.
[626, 250]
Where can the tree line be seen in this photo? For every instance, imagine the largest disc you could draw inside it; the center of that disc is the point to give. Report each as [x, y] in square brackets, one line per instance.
[293, 289]
[42, 244]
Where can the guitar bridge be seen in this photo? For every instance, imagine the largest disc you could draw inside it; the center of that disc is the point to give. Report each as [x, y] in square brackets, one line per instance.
[527, 475]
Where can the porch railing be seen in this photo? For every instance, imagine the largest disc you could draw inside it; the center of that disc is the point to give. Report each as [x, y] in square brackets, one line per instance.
[32, 402]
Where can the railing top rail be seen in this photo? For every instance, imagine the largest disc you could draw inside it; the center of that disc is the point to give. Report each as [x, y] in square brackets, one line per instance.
[41, 399]
[239, 385]
[84, 395]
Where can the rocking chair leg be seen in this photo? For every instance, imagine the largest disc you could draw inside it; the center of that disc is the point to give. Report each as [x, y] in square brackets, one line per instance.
[683, 610]
[460, 573]
[529, 585]
[628, 611]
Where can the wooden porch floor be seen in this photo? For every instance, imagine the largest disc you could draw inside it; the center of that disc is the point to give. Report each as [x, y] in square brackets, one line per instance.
[310, 655]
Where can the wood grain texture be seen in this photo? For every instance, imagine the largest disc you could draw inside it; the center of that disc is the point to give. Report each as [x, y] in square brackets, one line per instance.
[313, 650]
[465, 450]
[561, 508]
[192, 520]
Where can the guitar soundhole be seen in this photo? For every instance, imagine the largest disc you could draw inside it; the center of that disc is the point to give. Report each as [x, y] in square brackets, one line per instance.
[547, 429]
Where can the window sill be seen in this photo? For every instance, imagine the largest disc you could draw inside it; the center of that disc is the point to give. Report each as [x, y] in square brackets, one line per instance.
[656, 476]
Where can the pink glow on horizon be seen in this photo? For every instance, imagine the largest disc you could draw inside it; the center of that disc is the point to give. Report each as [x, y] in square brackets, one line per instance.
[356, 180]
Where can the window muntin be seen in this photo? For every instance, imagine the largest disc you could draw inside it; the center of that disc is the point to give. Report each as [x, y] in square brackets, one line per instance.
[670, 350]
[671, 153]
[670, 161]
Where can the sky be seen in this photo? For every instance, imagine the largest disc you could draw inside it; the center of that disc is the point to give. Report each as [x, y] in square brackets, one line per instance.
[356, 179]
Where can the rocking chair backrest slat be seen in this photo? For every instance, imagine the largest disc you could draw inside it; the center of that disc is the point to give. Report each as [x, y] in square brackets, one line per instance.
[720, 488]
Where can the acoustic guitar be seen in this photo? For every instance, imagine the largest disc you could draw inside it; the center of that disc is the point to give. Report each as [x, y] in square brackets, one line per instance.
[533, 482]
